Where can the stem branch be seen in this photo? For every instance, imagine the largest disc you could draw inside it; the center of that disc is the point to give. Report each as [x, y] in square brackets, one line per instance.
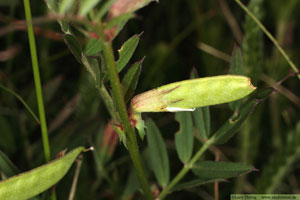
[186, 168]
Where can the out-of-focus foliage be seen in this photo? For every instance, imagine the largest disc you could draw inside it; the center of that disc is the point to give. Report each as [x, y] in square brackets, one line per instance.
[177, 37]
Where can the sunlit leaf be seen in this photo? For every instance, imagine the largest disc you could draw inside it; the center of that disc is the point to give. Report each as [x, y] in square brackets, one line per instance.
[126, 51]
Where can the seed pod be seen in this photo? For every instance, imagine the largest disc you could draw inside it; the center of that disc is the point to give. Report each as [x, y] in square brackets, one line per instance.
[29, 184]
[190, 94]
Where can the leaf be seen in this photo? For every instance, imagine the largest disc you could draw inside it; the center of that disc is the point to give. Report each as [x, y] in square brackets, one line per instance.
[7, 141]
[65, 26]
[93, 47]
[233, 124]
[6, 166]
[195, 183]
[130, 80]
[132, 184]
[126, 51]
[201, 118]
[139, 123]
[252, 46]
[237, 63]
[104, 9]
[51, 4]
[220, 170]
[92, 66]
[280, 165]
[89, 100]
[74, 46]
[158, 153]
[184, 138]
[236, 68]
[87, 5]
[65, 5]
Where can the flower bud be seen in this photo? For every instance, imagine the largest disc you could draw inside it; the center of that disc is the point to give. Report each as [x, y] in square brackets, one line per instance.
[190, 94]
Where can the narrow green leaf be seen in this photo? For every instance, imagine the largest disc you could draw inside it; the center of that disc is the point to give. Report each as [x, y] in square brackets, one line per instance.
[92, 66]
[220, 170]
[74, 46]
[236, 68]
[51, 4]
[252, 46]
[126, 51]
[6, 166]
[93, 47]
[237, 63]
[195, 183]
[65, 5]
[184, 138]
[87, 5]
[104, 9]
[233, 124]
[202, 121]
[130, 79]
[158, 153]
[65, 26]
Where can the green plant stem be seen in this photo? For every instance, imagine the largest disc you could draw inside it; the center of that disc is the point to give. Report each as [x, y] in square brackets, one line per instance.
[263, 28]
[121, 107]
[37, 81]
[187, 167]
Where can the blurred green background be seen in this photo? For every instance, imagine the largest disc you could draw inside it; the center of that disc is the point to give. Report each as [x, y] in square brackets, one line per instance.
[176, 37]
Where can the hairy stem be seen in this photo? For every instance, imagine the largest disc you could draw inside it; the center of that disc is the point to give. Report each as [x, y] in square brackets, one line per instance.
[122, 110]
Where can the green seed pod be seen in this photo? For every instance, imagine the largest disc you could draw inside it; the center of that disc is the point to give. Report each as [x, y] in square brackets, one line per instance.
[190, 94]
[33, 182]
